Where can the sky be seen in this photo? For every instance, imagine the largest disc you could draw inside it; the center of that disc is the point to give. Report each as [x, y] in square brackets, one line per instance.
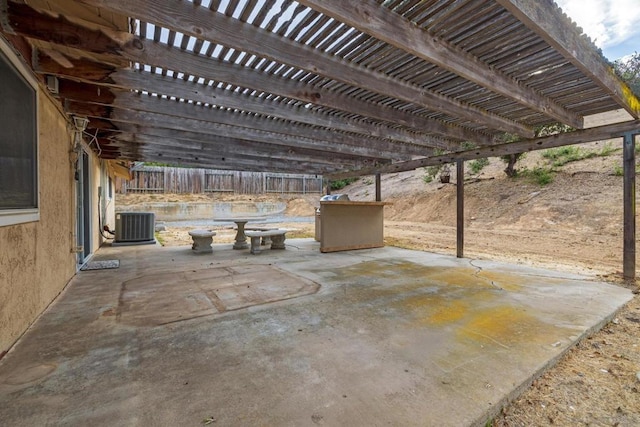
[613, 25]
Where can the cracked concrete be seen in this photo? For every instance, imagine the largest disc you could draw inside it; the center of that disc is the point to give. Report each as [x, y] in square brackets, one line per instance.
[374, 337]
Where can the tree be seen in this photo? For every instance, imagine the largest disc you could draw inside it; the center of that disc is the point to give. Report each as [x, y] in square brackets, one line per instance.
[510, 160]
[628, 69]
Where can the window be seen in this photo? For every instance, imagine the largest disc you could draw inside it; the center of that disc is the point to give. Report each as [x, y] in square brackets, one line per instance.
[18, 141]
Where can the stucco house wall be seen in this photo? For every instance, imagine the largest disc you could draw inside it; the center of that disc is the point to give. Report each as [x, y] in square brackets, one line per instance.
[37, 258]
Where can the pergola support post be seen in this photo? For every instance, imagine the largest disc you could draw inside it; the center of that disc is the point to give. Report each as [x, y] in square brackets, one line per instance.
[629, 200]
[378, 188]
[460, 208]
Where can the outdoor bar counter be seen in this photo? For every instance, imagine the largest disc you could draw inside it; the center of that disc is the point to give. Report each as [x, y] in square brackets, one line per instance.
[347, 225]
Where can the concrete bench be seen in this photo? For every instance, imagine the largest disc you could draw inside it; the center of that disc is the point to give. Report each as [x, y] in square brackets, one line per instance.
[202, 240]
[277, 238]
[266, 240]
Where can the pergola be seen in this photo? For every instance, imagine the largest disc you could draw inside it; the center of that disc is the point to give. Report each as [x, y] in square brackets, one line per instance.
[339, 88]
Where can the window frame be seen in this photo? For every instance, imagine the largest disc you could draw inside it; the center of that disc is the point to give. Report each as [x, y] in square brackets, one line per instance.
[25, 215]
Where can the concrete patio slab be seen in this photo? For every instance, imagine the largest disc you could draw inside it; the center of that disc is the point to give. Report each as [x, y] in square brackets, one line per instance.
[363, 338]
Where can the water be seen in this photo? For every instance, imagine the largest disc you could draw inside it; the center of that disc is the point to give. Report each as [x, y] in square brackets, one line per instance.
[211, 222]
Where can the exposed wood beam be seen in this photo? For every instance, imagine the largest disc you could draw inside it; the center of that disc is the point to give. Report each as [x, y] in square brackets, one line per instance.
[84, 70]
[70, 89]
[629, 208]
[460, 209]
[189, 124]
[202, 132]
[370, 147]
[137, 148]
[577, 137]
[219, 163]
[236, 148]
[193, 140]
[194, 91]
[44, 27]
[543, 18]
[215, 27]
[378, 21]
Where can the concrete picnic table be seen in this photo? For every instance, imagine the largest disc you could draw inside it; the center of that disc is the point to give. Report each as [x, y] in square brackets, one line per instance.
[241, 238]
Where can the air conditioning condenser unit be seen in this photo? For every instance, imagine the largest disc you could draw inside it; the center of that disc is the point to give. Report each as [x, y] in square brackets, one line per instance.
[135, 228]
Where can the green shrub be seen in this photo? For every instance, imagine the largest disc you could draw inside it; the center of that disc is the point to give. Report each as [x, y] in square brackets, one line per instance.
[539, 175]
[341, 183]
[542, 176]
[477, 165]
[430, 173]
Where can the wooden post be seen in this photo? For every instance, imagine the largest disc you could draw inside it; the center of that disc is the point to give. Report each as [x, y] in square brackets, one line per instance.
[629, 200]
[460, 209]
[328, 186]
[378, 188]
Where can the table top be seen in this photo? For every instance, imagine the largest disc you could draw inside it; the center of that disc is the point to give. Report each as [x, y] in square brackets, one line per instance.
[240, 218]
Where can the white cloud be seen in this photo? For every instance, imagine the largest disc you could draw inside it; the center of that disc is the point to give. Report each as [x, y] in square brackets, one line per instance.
[607, 22]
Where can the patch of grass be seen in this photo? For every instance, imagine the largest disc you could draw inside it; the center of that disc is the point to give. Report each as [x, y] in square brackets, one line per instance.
[618, 171]
[607, 150]
[159, 238]
[539, 175]
[300, 234]
[562, 155]
[367, 181]
[477, 165]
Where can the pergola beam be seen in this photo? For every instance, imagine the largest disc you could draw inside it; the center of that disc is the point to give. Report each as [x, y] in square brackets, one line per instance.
[542, 18]
[629, 209]
[378, 21]
[214, 27]
[211, 163]
[599, 133]
[162, 113]
[229, 147]
[120, 46]
[197, 140]
[155, 83]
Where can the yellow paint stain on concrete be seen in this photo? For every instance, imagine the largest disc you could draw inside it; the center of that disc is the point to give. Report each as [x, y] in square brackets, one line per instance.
[441, 308]
[448, 313]
[406, 275]
[503, 325]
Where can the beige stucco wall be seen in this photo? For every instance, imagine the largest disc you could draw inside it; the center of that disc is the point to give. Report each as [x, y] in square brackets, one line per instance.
[99, 183]
[35, 258]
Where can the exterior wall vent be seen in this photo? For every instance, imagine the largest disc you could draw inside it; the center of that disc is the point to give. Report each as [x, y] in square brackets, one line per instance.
[135, 228]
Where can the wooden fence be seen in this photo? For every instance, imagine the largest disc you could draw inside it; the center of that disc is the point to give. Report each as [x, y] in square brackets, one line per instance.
[156, 179]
